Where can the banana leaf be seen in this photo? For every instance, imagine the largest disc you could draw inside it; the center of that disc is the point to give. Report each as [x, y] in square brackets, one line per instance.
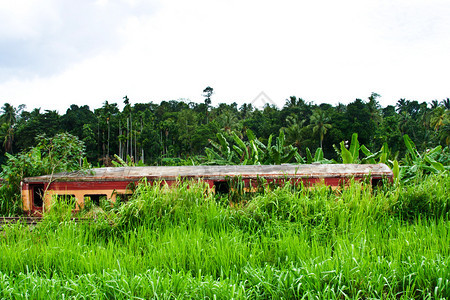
[318, 156]
[354, 148]
[346, 155]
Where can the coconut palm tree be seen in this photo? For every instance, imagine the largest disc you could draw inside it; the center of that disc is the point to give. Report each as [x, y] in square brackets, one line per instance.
[293, 131]
[374, 108]
[434, 104]
[401, 105]
[446, 103]
[8, 119]
[7, 136]
[444, 133]
[228, 121]
[438, 117]
[319, 124]
[8, 114]
[294, 101]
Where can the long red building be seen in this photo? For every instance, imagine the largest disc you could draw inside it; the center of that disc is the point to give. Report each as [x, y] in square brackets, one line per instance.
[111, 183]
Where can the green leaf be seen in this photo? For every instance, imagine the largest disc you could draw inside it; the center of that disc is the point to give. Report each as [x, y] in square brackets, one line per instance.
[215, 145]
[288, 157]
[277, 147]
[345, 154]
[255, 152]
[281, 140]
[411, 147]
[222, 140]
[434, 151]
[384, 153]
[260, 145]
[436, 165]
[251, 136]
[276, 158]
[212, 155]
[365, 151]
[396, 171]
[298, 158]
[120, 162]
[116, 164]
[238, 150]
[318, 156]
[354, 147]
[269, 142]
[370, 157]
[309, 158]
[240, 144]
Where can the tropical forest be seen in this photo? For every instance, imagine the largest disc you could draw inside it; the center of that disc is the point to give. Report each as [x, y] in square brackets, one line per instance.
[286, 241]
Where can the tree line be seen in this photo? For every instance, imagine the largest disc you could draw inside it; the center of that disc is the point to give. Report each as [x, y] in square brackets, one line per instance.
[159, 134]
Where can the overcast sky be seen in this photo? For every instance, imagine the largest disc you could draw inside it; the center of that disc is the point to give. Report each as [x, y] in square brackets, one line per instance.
[54, 53]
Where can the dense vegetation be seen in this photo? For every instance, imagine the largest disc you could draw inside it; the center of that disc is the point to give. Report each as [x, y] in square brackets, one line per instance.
[291, 242]
[356, 242]
[172, 130]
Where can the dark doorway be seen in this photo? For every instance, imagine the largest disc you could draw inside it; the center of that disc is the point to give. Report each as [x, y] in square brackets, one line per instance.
[221, 187]
[38, 194]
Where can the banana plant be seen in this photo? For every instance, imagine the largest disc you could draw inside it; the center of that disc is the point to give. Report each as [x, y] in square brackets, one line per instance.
[247, 153]
[129, 163]
[251, 152]
[382, 155]
[416, 162]
[317, 158]
[350, 155]
[240, 148]
[221, 154]
[279, 153]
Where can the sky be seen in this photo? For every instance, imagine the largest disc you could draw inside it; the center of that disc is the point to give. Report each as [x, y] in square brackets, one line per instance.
[54, 53]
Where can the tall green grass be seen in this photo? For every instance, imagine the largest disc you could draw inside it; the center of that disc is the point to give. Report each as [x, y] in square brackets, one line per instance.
[289, 242]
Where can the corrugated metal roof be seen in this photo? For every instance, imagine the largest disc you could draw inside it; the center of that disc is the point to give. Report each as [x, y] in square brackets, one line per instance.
[219, 172]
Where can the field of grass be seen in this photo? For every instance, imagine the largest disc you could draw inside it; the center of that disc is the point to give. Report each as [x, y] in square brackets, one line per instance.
[355, 243]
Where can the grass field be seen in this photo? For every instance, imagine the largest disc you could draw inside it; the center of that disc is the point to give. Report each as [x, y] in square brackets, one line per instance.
[355, 243]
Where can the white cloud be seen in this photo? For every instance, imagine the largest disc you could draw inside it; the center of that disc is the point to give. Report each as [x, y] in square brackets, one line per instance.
[41, 38]
[323, 51]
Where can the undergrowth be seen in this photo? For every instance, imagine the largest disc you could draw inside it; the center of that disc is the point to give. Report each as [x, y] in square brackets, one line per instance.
[289, 242]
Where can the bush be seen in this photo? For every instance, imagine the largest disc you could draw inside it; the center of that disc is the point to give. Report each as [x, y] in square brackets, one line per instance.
[63, 152]
[425, 198]
[157, 202]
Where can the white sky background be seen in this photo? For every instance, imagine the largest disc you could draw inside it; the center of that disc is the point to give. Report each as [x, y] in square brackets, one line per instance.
[54, 53]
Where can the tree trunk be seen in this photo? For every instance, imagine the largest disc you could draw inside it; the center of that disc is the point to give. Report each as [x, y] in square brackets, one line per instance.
[128, 132]
[109, 130]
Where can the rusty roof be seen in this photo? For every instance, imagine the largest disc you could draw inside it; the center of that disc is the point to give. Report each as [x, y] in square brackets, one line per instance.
[219, 172]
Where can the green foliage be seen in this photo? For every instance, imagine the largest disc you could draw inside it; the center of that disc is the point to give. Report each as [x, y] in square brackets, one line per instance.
[129, 163]
[319, 124]
[351, 155]
[251, 152]
[317, 158]
[428, 199]
[416, 164]
[63, 152]
[288, 243]
[158, 201]
[61, 210]
[153, 132]
[396, 172]
[382, 155]
[177, 161]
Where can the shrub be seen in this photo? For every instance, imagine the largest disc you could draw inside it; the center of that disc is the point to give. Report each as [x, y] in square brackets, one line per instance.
[63, 152]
